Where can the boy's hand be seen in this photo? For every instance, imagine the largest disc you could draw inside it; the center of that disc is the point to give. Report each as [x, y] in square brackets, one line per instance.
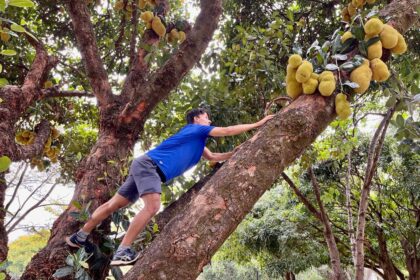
[264, 120]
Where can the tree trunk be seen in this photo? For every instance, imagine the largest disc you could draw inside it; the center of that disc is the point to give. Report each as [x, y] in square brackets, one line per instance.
[412, 261]
[385, 260]
[188, 241]
[290, 276]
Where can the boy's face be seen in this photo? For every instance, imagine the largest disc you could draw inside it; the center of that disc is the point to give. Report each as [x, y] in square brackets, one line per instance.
[202, 119]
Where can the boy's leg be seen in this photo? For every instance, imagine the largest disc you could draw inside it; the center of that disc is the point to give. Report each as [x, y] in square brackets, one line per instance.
[124, 254]
[78, 239]
[151, 207]
[103, 211]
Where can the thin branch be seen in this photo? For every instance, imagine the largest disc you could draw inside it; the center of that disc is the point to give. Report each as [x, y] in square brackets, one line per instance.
[301, 197]
[55, 93]
[17, 186]
[36, 205]
[133, 41]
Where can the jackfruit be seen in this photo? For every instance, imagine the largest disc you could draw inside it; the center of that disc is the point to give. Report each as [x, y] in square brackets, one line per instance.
[351, 9]
[142, 4]
[304, 72]
[326, 87]
[357, 3]
[346, 35]
[182, 36]
[55, 133]
[380, 71]
[345, 16]
[310, 86]
[48, 84]
[375, 50]
[389, 37]
[146, 16]
[373, 26]
[173, 36]
[362, 76]
[119, 5]
[4, 36]
[291, 73]
[314, 76]
[401, 46]
[326, 76]
[295, 60]
[158, 26]
[342, 106]
[340, 97]
[294, 89]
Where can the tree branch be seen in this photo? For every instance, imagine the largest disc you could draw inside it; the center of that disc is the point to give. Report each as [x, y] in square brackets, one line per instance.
[55, 93]
[172, 72]
[86, 41]
[17, 186]
[301, 197]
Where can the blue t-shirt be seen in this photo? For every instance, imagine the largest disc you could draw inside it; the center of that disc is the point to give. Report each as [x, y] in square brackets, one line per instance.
[181, 151]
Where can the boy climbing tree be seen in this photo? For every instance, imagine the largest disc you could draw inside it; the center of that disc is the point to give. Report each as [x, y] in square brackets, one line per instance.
[168, 160]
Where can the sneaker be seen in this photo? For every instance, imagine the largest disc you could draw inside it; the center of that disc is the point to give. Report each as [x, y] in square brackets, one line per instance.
[73, 241]
[124, 257]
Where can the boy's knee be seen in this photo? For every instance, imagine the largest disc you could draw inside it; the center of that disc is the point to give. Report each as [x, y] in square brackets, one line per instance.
[152, 208]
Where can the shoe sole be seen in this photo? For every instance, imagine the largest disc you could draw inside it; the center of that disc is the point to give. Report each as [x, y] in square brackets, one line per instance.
[71, 244]
[120, 262]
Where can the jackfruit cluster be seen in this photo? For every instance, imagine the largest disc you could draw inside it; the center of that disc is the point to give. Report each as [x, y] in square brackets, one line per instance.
[176, 36]
[50, 151]
[153, 22]
[351, 9]
[144, 3]
[300, 79]
[342, 106]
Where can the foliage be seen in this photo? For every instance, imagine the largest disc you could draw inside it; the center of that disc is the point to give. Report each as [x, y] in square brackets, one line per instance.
[22, 249]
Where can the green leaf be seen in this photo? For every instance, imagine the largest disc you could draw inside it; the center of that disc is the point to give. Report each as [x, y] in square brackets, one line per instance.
[1, 67]
[21, 3]
[331, 67]
[8, 52]
[372, 41]
[400, 121]
[3, 82]
[63, 272]
[348, 46]
[76, 204]
[5, 162]
[2, 5]
[17, 28]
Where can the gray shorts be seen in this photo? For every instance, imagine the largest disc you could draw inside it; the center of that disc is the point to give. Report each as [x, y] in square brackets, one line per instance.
[142, 179]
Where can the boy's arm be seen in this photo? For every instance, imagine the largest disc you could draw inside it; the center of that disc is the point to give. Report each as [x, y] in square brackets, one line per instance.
[209, 155]
[238, 129]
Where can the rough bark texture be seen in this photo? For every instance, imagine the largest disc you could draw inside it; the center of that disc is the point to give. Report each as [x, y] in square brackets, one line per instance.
[188, 241]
